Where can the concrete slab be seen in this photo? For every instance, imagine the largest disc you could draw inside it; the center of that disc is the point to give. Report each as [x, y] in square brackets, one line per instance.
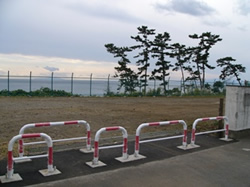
[46, 173]
[130, 158]
[99, 164]
[86, 150]
[14, 178]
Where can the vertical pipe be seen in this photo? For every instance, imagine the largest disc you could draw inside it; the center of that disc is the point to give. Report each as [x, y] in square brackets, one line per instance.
[168, 82]
[90, 89]
[8, 82]
[72, 83]
[108, 87]
[221, 126]
[52, 77]
[30, 81]
[155, 87]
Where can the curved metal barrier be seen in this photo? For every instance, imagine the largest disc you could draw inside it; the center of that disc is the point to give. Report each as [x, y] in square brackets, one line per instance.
[225, 129]
[96, 162]
[61, 123]
[10, 176]
[138, 131]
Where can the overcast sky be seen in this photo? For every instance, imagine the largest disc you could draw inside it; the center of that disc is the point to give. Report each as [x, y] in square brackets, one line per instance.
[66, 36]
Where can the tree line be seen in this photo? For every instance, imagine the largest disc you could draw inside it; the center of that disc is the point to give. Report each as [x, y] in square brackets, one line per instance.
[191, 61]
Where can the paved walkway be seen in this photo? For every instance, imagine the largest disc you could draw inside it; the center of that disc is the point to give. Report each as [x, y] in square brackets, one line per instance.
[215, 163]
[226, 165]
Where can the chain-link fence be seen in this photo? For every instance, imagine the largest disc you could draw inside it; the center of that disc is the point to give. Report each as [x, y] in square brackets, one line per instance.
[91, 85]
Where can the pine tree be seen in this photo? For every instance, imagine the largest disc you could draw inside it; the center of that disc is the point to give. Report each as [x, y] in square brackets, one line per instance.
[182, 55]
[144, 53]
[128, 78]
[200, 55]
[230, 69]
[160, 50]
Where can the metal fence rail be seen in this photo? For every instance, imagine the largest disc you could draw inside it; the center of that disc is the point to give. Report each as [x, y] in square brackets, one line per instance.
[84, 85]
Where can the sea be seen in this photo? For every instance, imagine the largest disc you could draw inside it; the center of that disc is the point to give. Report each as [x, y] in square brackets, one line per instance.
[84, 87]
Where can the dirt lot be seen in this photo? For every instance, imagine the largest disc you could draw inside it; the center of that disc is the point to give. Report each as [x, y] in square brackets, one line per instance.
[99, 112]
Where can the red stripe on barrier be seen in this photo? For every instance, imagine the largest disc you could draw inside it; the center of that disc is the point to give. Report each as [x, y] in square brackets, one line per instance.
[125, 143]
[185, 136]
[219, 117]
[193, 135]
[96, 150]
[10, 161]
[88, 138]
[21, 146]
[42, 124]
[174, 122]
[137, 143]
[35, 135]
[154, 124]
[70, 122]
[50, 156]
[227, 129]
[205, 119]
[112, 128]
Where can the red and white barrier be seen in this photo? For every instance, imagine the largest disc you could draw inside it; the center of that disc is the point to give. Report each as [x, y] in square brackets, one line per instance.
[10, 176]
[138, 131]
[96, 162]
[225, 129]
[62, 123]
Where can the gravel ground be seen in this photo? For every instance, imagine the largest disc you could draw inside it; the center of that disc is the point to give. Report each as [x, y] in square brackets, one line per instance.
[99, 112]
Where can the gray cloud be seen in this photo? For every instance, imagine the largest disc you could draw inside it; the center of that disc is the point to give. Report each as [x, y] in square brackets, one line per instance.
[190, 7]
[51, 68]
[244, 7]
[216, 22]
[104, 11]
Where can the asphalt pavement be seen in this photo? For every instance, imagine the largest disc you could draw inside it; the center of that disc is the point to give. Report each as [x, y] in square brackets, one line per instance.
[215, 163]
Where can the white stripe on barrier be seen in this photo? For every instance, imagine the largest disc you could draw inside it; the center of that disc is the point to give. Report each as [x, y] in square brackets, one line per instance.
[95, 162]
[111, 146]
[226, 129]
[59, 140]
[159, 139]
[208, 132]
[60, 123]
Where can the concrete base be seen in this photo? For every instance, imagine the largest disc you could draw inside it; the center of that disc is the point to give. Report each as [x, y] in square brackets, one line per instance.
[86, 150]
[22, 160]
[245, 149]
[99, 164]
[130, 158]
[133, 158]
[46, 173]
[182, 147]
[226, 140]
[190, 146]
[14, 178]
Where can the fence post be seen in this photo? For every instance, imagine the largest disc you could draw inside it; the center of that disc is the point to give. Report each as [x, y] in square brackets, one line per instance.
[52, 77]
[72, 78]
[8, 82]
[30, 81]
[108, 87]
[90, 87]
[154, 86]
[221, 107]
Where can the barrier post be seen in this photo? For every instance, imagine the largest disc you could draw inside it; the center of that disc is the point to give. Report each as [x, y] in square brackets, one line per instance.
[95, 162]
[61, 123]
[194, 134]
[10, 176]
[138, 130]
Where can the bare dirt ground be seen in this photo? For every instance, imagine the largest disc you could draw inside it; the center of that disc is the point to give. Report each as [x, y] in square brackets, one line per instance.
[99, 112]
